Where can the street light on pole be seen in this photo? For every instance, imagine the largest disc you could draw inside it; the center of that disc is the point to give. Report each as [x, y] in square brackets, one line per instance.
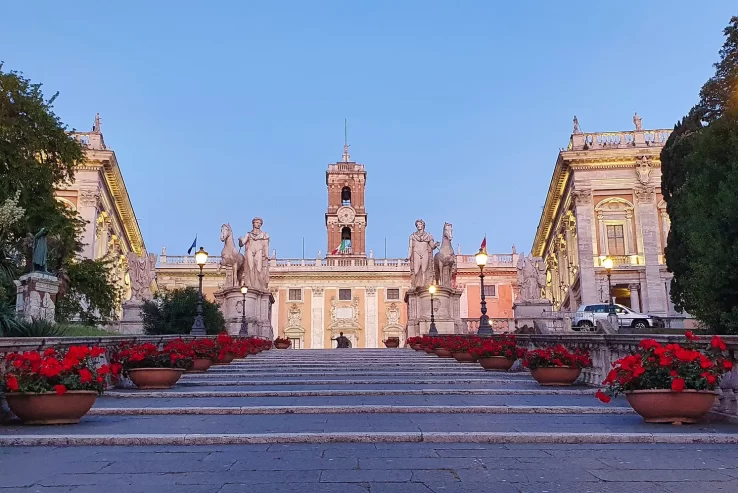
[244, 326]
[611, 317]
[198, 328]
[485, 329]
[432, 331]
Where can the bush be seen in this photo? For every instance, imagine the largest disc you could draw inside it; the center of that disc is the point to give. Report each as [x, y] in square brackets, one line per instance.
[173, 312]
[8, 319]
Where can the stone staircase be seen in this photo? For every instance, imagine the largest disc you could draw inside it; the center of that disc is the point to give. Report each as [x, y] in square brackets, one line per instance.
[359, 395]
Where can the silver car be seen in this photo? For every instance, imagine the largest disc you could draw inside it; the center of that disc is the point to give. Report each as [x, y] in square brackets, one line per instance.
[586, 317]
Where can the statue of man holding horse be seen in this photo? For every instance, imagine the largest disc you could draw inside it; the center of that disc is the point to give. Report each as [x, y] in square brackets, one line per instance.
[420, 255]
[256, 257]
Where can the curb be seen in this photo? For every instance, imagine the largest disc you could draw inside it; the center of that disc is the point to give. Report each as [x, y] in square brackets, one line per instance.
[229, 383]
[140, 394]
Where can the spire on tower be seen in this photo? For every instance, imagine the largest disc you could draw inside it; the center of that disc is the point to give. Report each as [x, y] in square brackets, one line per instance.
[346, 156]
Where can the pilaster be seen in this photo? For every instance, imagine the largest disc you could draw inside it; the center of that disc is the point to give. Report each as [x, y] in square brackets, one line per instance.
[316, 319]
[584, 211]
[654, 299]
[371, 317]
[88, 200]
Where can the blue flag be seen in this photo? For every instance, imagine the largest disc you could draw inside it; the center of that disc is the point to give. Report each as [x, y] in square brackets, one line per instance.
[193, 246]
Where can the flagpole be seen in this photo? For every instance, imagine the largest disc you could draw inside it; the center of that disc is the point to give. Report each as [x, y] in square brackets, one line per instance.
[303, 248]
[385, 247]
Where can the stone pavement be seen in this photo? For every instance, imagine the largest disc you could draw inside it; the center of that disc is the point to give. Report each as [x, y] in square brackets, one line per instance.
[365, 421]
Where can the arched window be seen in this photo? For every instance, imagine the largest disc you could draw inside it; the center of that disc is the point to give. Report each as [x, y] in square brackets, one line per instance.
[345, 196]
[346, 236]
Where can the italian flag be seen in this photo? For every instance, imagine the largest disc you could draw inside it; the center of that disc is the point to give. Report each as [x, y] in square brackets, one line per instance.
[341, 248]
[483, 246]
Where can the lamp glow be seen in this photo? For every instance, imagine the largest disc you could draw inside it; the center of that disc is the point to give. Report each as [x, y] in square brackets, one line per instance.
[244, 290]
[481, 258]
[432, 288]
[201, 257]
[607, 263]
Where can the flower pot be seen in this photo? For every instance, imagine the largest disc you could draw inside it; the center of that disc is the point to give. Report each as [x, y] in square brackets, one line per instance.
[226, 359]
[442, 352]
[556, 375]
[50, 408]
[282, 345]
[155, 378]
[496, 363]
[464, 357]
[200, 365]
[416, 347]
[429, 350]
[391, 343]
[667, 406]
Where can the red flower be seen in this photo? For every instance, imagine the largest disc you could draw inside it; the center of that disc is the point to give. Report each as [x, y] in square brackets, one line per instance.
[11, 383]
[718, 343]
[677, 385]
[603, 396]
[690, 336]
[85, 376]
[727, 364]
[60, 389]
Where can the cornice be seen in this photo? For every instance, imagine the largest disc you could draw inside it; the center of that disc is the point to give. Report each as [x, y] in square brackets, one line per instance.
[124, 207]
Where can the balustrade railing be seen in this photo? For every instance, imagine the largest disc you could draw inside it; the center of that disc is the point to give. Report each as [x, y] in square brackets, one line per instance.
[618, 140]
[622, 260]
[499, 325]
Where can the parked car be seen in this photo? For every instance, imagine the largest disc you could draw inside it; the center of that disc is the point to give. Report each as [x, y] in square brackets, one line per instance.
[586, 317]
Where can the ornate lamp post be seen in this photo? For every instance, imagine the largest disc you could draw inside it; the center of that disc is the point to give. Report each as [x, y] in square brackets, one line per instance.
[198, 328]
[611, 317]
[244, 326]
[432, 331]
[485, 329]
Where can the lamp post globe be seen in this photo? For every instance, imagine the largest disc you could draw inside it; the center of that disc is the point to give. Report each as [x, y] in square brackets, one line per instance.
[485, 329]
[244, 326]
[432, 331]
[198, 328]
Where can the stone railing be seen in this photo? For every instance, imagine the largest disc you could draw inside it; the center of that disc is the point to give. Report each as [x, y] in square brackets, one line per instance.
[18, 344]
[499, 325]
[305, 264]
[618, 140]
[606, 349]
[493, 260]
[622, 260]
[348, 166]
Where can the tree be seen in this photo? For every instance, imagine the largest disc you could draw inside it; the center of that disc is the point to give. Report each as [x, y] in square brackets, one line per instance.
[173, 312]
[700, 186]
[88, 292]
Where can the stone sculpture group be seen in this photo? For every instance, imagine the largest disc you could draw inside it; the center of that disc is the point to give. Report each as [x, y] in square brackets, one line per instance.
[424, 266]
[250, 269]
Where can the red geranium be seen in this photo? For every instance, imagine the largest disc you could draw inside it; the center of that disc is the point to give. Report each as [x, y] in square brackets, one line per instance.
[504, 346]
[176, 354]
[557, 356]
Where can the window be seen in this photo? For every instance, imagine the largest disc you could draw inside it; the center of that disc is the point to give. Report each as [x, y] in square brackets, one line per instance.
[615, 239]
[344, 295]
[294, 294]
[393, 293]
[346, 196]
[490, 290]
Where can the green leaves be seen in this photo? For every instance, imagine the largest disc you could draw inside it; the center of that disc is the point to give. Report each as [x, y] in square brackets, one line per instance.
[173, 312]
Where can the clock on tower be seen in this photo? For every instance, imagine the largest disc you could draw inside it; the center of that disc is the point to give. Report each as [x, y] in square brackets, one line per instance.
[346, 218]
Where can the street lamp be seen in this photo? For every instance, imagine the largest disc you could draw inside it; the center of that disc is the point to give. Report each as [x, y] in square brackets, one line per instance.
[244, 326]
[432, 331]
[485, 329]
[607, 264]
[198, 328]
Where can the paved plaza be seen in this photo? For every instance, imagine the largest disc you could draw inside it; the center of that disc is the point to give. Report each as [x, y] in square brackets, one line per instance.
[365, 421]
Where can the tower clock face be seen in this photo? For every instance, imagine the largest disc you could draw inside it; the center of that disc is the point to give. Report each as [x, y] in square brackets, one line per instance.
[346, 215]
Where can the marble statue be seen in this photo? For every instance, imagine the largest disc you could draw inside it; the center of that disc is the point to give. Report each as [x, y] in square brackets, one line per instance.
[444, 262]
[637, 121]
[576, 125]
[371, 253]
[40, 250]
[531, 278]
[142, 271]
[420, 256]
[256, 252]
[231, 258]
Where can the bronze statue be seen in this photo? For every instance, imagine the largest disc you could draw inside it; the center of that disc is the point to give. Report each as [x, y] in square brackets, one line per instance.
[40, 250]
[342, 342]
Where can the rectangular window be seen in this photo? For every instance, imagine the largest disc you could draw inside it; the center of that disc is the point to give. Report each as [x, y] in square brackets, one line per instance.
[393, 293]
[490, 290]
[294, 294]
[344, 295]
[295, 343]
[615, 239]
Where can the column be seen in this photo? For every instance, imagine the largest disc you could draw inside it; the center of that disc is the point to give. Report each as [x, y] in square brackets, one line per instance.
[371, 326]
[87, 207]
[275, 311]
[316, 319]
[654, 295]
[585, 217]
[635, 301]
[463, 301]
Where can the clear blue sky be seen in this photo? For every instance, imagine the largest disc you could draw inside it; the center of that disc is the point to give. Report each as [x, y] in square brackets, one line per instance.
[220, 111]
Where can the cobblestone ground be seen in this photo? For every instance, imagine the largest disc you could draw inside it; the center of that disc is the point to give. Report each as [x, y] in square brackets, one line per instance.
[383, 398]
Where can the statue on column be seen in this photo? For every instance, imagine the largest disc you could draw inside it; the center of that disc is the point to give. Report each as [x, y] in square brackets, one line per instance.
[142, 271]
[256, 253]
[638, 122]
[420, 255]
[531, 279]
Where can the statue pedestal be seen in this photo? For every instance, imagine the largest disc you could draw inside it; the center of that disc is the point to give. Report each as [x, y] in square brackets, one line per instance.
[258, 311]
[527, 312]
[36, 296]
[132, 320]
[446, 311]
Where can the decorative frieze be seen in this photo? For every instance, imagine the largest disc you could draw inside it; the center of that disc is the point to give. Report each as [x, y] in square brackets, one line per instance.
[644, 194]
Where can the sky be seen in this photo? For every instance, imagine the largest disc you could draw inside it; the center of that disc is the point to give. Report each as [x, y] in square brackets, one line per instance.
[221, 111]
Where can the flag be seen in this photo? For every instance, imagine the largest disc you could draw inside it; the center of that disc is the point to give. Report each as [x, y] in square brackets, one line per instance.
[193, 246]
[341, 248]
[483, 246]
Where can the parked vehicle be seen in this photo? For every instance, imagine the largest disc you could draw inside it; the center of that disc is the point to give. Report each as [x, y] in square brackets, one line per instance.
[586, 317]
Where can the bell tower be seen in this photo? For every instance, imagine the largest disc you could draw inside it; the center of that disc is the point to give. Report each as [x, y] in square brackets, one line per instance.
[346, 218]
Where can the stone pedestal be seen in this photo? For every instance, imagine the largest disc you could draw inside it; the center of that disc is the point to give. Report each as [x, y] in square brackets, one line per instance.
[132, 320]
[258, 311]
[36, 296]
[527, 312]
[446, 308]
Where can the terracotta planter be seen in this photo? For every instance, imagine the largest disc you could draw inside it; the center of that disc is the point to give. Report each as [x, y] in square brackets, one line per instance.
[200, 365]
[416, 347]
[556, 375]
[667, 406]
[155, 378]
[429, 350]
[496, 363]
[282, 345]
[464, 357]
[50, 408]
[226, 359]
[391, 343]
[442, 352]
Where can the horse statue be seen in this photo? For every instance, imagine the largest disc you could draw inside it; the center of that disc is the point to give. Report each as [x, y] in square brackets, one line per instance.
[444, 262]
[230, 257]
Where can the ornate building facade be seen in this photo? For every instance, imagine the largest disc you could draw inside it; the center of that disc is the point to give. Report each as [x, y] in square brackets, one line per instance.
[605, 201]
[349, 291]
[98, 194]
